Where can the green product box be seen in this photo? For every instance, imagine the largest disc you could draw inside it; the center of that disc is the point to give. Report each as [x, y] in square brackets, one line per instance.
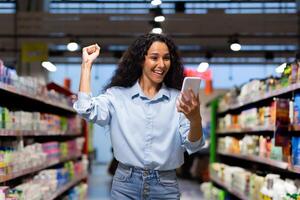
[63, 124]
[6, 118]
[1, 118]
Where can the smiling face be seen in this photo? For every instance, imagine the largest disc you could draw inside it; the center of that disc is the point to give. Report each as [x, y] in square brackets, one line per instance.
[157, 63]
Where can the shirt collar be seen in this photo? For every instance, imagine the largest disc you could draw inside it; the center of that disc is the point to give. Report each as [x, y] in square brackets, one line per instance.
[136, 91]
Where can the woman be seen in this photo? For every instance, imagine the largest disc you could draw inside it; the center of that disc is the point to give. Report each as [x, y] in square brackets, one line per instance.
[149, 136]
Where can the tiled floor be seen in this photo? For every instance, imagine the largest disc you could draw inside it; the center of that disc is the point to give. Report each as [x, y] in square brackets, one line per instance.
[100, 181]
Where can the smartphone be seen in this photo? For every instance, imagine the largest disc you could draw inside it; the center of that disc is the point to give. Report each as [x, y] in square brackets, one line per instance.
[193, 83]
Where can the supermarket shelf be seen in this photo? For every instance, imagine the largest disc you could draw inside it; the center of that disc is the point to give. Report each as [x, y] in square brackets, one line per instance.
[67, 186]
[295, 169]
[252, 130]
[59, 89]
[259, 98]
[9, 93]
[267, 161]
[232, 191]
[38, 168]
[4, 132]
[295, 128]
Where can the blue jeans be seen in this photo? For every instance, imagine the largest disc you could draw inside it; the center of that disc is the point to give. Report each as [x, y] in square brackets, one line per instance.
[143, 184]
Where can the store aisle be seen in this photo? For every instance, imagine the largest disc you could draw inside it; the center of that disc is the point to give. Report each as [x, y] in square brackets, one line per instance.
[190, 190]
[100, 181]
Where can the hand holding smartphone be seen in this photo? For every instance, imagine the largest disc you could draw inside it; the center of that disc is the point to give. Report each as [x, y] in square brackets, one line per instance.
[191, 83]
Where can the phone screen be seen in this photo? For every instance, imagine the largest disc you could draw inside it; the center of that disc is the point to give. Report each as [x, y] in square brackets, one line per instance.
[193, 83]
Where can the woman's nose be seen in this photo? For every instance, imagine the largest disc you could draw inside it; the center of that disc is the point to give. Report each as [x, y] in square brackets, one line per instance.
[161, 62]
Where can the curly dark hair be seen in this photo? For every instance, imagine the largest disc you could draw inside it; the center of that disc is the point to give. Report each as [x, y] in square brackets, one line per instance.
[130, 66]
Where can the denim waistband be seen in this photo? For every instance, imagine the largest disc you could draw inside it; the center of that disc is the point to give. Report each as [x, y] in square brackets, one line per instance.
[142, 170]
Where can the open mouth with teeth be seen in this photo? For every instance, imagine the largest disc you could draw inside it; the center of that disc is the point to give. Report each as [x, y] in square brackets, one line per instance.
[158, 72]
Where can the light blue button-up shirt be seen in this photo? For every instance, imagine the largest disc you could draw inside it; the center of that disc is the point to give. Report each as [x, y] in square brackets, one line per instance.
[147, 133]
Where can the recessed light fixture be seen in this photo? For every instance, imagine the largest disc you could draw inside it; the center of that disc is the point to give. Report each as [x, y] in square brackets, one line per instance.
[234, 43]
[73, 46]
[203, 66]
[156, 2]
[49, 66]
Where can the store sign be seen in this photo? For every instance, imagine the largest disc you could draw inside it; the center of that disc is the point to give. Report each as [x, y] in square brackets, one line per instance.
[206, 76]
[34, 52]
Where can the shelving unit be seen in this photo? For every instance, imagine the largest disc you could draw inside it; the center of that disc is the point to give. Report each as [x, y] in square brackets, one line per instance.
[10, 95]
[267, 161]
[38, 168]
[232, 191]
[238, 159]
[257, 159]
[260, 97]
[252, 130]
[16, 100]
[35, 133]
[69, 185]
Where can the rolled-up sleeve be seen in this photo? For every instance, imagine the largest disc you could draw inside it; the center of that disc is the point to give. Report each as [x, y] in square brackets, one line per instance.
[184, 129]
[95, 109]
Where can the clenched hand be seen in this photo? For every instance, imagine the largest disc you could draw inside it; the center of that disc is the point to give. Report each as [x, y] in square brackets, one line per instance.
[90, 53]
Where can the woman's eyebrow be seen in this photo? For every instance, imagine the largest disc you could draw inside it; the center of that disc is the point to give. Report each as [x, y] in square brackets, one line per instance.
[154, 53]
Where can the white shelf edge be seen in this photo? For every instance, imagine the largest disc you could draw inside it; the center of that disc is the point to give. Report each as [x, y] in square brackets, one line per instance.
[37, 168]
[8, 88]
[267, 161]
[237, 131]
[268, 95]
[235, 193]
[4, 132]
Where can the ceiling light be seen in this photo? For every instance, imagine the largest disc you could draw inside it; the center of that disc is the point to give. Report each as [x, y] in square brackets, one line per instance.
[49, 66]
[235, 46]
[73, 46]
[157, 30]
[234, 42]
[203, 66]
[156, 2]
[160, 18]
[280, 68]
[156, 27]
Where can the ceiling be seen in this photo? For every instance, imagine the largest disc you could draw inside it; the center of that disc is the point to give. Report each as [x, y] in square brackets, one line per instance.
[267, 30]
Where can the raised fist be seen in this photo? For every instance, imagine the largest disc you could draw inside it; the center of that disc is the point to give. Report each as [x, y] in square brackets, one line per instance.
[90, 53]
